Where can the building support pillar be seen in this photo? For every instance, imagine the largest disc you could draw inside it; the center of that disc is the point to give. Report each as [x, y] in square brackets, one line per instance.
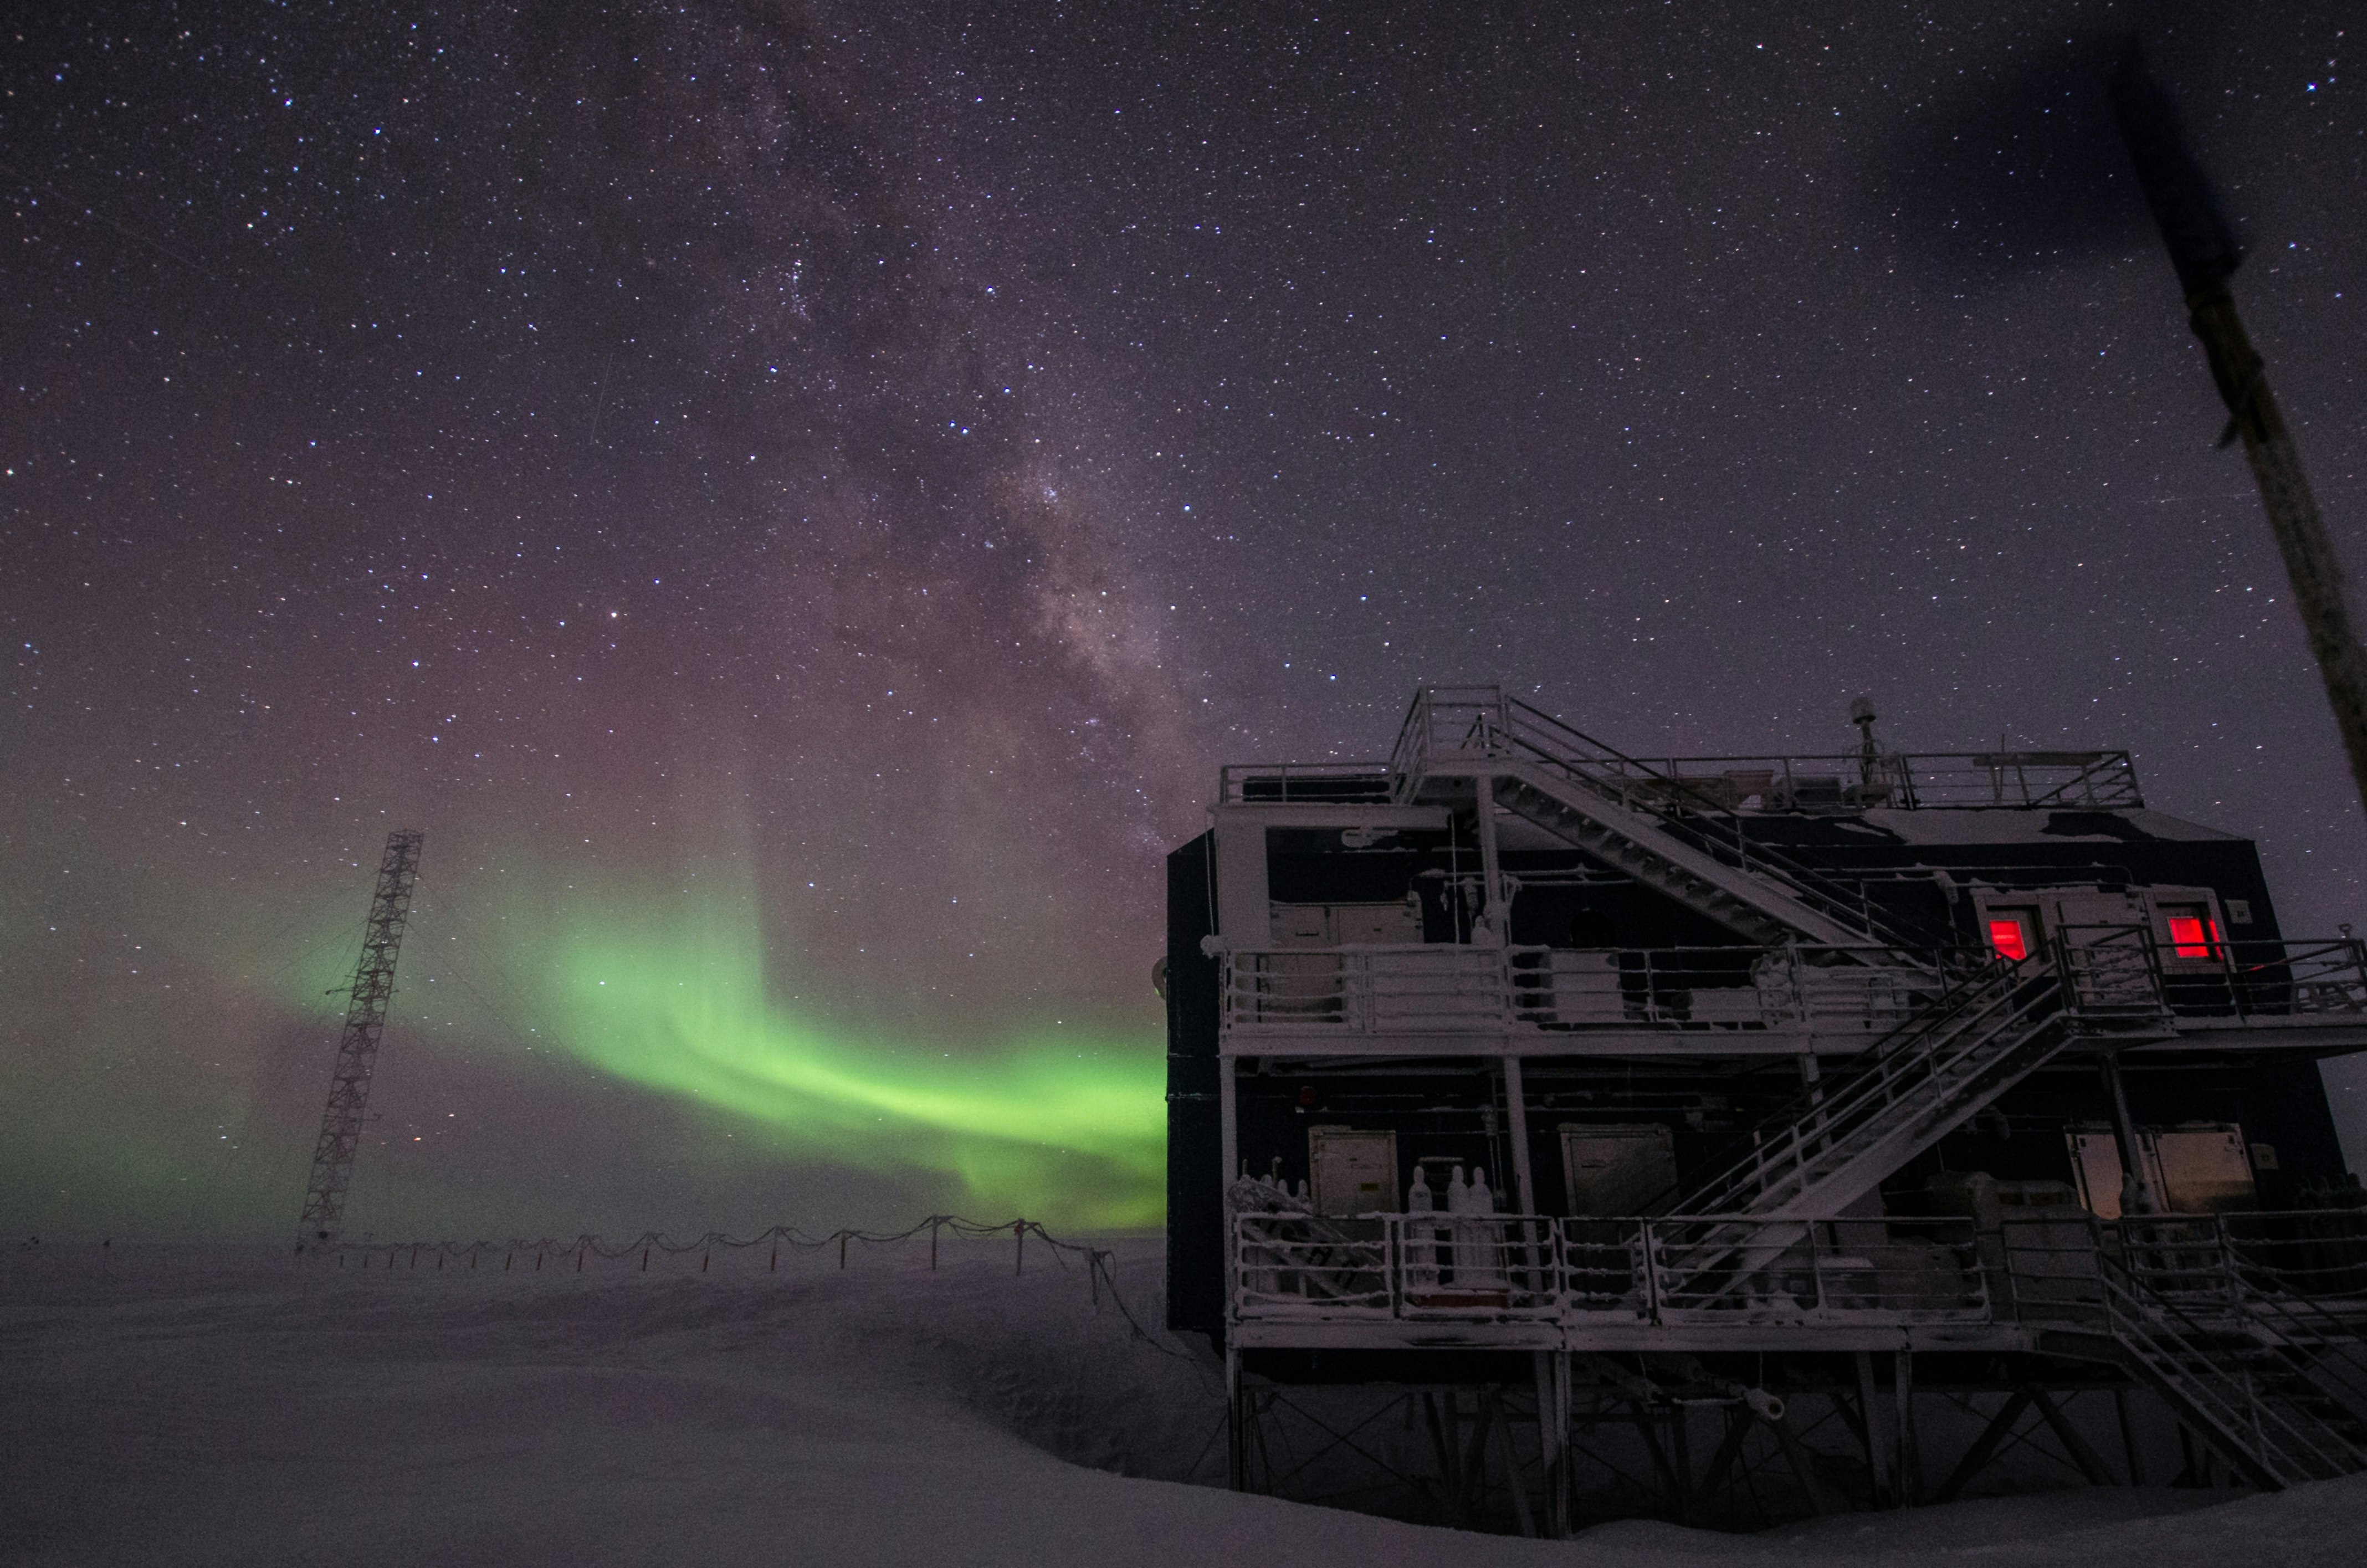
[1229, 1134]
[1237, 1451]
[1491, 869]
[1910, 1454]
[1552, 1426]
[2123, 1406]
[1516, 1112]
[1877, 1472]
[1986, 1445]
[2090, 1463]
[2137, 1196]
[1802, 1463]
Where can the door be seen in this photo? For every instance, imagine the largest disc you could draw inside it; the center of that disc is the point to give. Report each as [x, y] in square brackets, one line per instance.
[2108, 951]
[2096, 1168]
[2204, 1167]
[1625, 1170]
[1354, 1172]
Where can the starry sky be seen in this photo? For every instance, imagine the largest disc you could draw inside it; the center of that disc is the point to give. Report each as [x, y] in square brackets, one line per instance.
[798, 501]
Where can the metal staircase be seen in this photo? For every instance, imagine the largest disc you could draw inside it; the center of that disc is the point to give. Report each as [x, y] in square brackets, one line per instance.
[1983, 1034]
[1663, 831]
[1836, 1143]
[2273, 1383]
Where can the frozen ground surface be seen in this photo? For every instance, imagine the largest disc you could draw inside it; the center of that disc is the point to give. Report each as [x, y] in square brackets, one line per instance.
[201, 1405]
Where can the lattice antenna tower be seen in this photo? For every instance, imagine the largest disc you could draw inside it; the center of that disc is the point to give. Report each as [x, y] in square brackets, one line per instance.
[341, 1123]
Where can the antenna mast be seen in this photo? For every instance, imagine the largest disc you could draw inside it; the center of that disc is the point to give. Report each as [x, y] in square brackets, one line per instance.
[2203, 249]
[341, 1123]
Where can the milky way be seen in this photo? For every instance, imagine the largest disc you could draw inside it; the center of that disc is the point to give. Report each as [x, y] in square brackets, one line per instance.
[798, 501]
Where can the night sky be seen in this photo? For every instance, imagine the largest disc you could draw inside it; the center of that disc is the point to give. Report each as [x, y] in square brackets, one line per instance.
[798, 501]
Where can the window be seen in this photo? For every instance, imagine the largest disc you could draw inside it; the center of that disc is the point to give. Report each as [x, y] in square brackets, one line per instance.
[2014, 932]
[2193, 933]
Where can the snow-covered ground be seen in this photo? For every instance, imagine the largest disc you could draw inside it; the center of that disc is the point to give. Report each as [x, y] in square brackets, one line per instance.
[211, 1404]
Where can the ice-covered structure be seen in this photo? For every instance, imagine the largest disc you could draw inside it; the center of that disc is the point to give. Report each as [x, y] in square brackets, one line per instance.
[1803, 1081]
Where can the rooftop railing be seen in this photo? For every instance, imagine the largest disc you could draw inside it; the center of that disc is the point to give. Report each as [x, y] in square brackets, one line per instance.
[1303, 783]
[1467, 723]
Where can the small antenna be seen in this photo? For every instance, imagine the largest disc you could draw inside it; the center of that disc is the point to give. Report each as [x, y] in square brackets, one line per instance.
[1869, 753]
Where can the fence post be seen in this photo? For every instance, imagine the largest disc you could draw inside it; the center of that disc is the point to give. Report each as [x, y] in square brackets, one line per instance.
[842, 1249]
[775, 1266]
[645, 1260]
[1019, 1258]
[933, 1244]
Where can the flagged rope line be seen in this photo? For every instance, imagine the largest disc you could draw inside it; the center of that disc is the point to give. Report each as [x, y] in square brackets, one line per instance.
[1101, 1262]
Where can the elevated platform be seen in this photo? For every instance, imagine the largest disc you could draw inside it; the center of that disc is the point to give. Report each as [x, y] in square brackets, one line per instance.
[1446, 1000]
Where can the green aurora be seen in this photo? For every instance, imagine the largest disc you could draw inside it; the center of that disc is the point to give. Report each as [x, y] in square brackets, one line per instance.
[1048, 1129]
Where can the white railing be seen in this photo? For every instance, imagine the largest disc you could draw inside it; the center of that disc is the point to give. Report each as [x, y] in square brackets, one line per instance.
[1452, 724]
[2250, 1320]
[1438, 988]
[1447, 988]
[1521, 1267]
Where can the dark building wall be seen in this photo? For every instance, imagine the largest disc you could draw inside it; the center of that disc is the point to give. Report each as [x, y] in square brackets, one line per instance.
[1195, 1240]
[1456, 1110]
[2077, 851]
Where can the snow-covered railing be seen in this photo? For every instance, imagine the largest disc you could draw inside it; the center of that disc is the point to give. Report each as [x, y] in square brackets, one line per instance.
[1303, 783]
[1743, 1271]
[1459, 725]
[2301, 979]
[1447, 988]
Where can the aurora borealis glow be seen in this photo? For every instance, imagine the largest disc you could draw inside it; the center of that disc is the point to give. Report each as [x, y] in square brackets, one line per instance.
[1052, 1128]
[797, 500]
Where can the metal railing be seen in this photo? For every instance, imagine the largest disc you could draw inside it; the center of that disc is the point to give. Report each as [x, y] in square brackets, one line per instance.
[2005, 780]
[1940, 1053]
[1303, 783]
[1395, 1266]
[2265, 1356]
[1468, 722]
[2267, 979]
[2200, 1306]
[1468, 728]
[1967, 1041]
[2115, 974]
[1499, 1267]
[1442, 987]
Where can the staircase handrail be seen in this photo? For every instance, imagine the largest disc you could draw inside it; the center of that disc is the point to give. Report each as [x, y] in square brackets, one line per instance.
[2294, 1322]
[1674, 804]
[1825, 1115]
[2137, 1315]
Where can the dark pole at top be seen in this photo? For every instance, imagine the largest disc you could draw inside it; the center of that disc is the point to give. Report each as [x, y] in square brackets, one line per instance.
[2203, 250]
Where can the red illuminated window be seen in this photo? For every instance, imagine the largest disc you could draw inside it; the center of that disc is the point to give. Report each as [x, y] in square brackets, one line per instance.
[2193, 933]
[2010, 934]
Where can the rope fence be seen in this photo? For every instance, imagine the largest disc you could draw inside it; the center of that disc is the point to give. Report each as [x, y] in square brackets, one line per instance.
[1100, 1263]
